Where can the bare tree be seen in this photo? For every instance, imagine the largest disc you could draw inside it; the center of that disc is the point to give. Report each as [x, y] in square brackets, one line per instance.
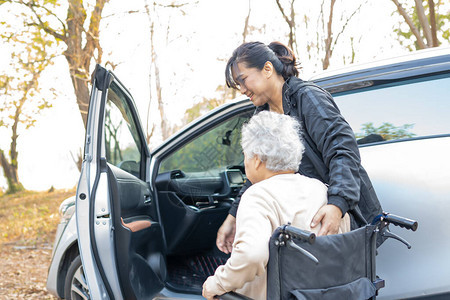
[326, 39]
[329, 43]
[154, 74]
[247, 19]
[329, 38]
[424, 23]
[289, 17]
[245, 32]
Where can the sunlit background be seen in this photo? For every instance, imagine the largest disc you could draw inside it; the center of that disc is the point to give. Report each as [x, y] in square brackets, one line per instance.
[191, 42]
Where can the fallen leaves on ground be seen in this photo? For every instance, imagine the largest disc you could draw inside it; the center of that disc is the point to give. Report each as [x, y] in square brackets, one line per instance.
[23, 272]
[28, 223]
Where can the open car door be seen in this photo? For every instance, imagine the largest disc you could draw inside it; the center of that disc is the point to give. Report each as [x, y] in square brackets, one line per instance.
[119, 234]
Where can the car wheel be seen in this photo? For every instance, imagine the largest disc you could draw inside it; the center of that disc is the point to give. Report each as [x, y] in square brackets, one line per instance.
[75, 285]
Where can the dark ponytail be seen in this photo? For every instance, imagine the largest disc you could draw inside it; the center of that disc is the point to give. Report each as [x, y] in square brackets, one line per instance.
[287, 58]
[256, 54]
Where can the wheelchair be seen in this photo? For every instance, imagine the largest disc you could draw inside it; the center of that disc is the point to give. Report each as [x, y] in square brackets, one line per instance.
[341, 266]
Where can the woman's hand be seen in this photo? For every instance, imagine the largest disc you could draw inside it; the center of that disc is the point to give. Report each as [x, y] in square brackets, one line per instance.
[206, 293]
[330, 216]
[225, 235]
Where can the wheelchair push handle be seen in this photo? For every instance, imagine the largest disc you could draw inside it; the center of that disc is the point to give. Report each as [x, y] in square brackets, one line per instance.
[310, 237]
[400, 221]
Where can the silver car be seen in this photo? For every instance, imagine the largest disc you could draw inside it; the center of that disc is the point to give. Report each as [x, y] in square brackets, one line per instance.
[143, 225]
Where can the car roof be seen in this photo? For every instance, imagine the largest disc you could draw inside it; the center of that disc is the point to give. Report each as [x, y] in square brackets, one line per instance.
[417, 64]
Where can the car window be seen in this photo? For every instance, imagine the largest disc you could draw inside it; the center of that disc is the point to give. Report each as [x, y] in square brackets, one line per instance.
[412, 109]
[122, 142]
[212, 152]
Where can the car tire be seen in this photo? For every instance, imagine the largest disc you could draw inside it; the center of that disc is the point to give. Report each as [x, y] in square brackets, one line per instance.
[75, 286]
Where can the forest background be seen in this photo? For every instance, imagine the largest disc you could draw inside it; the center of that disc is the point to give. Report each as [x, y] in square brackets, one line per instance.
[171, 56]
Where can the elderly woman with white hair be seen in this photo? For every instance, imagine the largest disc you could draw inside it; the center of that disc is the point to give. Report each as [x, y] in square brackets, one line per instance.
[273, 151]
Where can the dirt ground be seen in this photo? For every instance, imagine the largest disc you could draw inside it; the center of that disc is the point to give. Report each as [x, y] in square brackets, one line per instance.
[23, 272]
[28, 222]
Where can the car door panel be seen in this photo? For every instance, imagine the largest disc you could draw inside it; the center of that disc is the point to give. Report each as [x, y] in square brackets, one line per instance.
[412, 185]
[135, 194]
[120, 237]
[135, 232]
[197, 187]
[90, 189]
[192, 209]
[187, 228]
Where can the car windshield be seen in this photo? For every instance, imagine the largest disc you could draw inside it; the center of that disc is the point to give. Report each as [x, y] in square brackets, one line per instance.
[210, 153]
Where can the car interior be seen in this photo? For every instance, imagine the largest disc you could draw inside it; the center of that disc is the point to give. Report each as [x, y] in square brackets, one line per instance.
[196, 186]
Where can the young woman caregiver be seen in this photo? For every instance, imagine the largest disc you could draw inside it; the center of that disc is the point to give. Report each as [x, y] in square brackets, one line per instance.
[267, 74]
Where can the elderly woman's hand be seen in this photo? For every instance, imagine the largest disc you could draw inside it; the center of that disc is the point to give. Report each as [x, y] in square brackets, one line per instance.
[330, 216]
[206, 293]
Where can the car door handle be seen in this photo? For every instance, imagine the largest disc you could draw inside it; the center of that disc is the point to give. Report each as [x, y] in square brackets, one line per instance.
[147, 199]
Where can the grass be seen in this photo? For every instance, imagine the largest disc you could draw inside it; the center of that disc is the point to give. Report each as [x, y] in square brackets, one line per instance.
[30, 218]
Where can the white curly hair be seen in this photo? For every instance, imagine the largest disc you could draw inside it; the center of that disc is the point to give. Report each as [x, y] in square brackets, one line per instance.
[275, 139]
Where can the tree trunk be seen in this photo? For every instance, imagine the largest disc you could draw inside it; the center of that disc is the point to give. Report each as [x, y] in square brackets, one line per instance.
[10, 172]
[291, 23]
[292, 38]
[78, 57]
[81, 88]
[164, 123]
[149, 132]
[247, 18]
[411, 25]
[433, 23]
[244, 38]
[165, 132]
[328, 50]
[424, 22]
[10, 169]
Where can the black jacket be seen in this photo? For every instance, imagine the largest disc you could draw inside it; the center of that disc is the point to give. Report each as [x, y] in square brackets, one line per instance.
[331, 152]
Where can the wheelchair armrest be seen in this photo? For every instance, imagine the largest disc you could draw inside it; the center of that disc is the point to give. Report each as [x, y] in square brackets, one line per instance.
[233, 296]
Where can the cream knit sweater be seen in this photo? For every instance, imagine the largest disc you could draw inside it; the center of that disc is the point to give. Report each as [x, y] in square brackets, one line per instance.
[264, 207]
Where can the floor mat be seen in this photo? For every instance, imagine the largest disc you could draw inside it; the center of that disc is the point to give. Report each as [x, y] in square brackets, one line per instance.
[191, 272]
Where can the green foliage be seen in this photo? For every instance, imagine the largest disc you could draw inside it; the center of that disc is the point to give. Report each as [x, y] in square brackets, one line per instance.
[201, 108]
[208, 104]
[20, 93]
[406, 37]
[387, 131]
